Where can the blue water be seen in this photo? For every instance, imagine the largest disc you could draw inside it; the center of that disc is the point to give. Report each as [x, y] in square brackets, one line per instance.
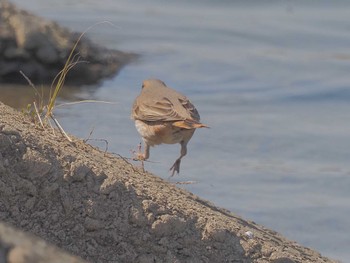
[272, 80]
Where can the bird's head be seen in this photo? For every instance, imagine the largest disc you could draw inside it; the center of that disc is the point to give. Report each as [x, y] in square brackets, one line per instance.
[152, 83]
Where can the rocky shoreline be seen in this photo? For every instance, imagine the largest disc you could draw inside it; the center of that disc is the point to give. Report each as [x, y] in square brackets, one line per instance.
[40, 48]
[101, 208]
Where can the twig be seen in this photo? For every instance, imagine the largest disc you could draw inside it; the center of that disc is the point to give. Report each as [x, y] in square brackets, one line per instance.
[99, 140]
[83, 101]
[60, 128]
[52, 128]
[186, 182]
[29, 81]
[91, 131]
[37, 113]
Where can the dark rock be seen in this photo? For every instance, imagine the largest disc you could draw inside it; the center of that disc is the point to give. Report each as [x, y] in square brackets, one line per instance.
[40, 49]
[19, 247]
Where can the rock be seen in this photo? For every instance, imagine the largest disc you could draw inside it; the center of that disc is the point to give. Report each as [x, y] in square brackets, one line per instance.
[18, 247]
[47, 55]
[40, 49]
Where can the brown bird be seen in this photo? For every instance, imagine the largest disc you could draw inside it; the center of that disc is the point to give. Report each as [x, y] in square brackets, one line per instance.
[163, 115]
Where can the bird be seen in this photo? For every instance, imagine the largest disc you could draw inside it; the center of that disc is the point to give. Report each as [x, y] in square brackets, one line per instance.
[163, 115]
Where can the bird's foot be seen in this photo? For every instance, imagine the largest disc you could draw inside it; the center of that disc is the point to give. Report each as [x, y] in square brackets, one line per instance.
[175, 167]
[138, 155]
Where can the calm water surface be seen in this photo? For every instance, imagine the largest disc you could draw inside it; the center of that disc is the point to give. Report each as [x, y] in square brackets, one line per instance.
[271, 79]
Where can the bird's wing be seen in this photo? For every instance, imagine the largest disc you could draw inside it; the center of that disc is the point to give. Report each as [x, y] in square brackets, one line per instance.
[190, 109]
[162, 110]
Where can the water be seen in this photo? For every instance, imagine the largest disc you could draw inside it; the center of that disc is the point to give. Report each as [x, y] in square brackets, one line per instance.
[270, 78]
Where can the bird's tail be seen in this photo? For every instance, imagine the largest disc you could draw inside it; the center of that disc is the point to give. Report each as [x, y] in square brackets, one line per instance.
[189, 124]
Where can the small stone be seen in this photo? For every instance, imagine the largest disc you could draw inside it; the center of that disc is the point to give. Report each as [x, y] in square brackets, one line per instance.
[249, 234]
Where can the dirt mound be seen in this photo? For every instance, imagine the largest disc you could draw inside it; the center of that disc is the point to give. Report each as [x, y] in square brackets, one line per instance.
[103, 209]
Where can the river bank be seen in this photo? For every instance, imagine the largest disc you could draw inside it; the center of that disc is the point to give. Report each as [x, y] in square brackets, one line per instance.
[100, 207]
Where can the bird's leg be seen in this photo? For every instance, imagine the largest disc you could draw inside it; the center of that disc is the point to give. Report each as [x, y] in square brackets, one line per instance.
[142, 156]
[139, 156]
[176, 165]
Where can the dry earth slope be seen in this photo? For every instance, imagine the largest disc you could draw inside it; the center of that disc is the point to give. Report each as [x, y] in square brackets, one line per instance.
[103, 209]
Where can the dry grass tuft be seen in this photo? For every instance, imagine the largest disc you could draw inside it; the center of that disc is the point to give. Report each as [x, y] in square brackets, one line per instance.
[44, 113]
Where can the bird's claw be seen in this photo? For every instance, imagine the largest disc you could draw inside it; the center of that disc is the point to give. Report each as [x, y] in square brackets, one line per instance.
[175, 167]
[138, 155]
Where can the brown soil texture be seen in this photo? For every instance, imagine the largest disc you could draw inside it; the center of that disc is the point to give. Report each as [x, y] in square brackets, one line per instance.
[100, 207]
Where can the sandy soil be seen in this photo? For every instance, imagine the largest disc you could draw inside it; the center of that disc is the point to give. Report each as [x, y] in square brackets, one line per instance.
[103, 209]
